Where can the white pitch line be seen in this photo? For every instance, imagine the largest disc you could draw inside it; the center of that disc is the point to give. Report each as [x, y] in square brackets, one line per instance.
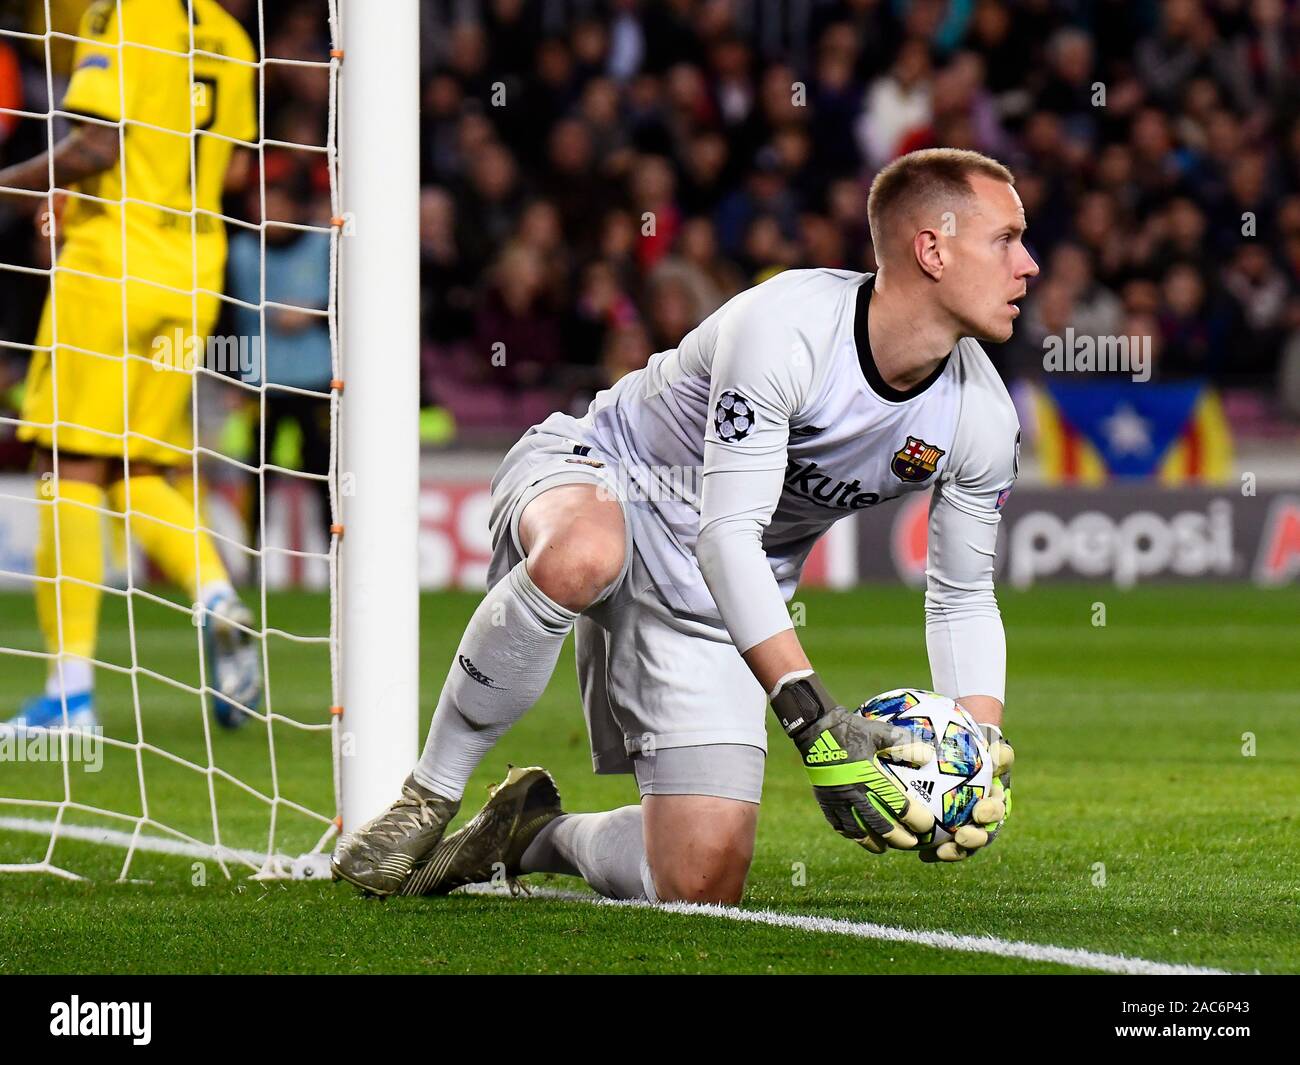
[113, 837]
[1073, 957]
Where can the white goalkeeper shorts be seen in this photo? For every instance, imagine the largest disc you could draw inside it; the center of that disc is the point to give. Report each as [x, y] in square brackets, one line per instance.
[651, 679]
[726, 770]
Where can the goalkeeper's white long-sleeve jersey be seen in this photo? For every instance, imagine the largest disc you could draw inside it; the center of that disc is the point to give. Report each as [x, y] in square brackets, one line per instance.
[768, 423]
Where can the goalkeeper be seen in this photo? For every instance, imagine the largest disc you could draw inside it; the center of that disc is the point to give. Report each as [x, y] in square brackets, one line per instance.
[140, 268]
[813, 395]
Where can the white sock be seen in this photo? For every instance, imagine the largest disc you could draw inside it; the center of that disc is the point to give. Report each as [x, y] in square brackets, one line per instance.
[78, 676]
[501, 668]
[607, 850]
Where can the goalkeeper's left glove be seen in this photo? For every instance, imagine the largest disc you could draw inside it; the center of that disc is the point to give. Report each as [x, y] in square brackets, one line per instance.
[990, 813]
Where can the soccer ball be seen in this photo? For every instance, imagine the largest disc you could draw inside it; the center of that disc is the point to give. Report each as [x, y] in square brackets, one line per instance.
[961, 771]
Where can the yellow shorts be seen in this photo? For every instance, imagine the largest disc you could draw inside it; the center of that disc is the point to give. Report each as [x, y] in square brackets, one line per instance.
[126, 389]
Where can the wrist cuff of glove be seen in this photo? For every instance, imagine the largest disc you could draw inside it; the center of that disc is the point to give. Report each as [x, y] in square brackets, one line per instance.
[793, 675]
[800, 702]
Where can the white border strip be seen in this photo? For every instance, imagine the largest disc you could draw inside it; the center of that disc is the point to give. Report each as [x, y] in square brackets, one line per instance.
[1072, 957]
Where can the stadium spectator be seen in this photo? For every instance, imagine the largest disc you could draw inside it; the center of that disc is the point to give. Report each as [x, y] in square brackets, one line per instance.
[898, 103]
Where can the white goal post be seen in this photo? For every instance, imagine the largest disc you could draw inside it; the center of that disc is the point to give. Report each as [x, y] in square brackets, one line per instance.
[366, 730]
[381, 444]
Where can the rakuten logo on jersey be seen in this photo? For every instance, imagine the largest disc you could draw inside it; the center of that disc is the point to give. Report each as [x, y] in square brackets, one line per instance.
[812, 482]
[1139, 545]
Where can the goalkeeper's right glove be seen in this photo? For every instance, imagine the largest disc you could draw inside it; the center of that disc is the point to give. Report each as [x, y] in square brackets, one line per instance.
[990, 813]
[841, 752]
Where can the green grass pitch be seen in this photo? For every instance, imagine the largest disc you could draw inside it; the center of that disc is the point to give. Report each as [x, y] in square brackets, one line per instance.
[1140, 827]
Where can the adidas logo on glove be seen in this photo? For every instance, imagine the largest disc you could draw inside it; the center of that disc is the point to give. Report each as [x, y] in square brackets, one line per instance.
[825, 750]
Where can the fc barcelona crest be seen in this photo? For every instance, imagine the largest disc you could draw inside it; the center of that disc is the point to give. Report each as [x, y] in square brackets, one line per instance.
[916, 460]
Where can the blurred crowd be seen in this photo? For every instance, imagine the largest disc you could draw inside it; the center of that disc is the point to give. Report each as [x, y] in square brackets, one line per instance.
[641, 162]
[600, 175]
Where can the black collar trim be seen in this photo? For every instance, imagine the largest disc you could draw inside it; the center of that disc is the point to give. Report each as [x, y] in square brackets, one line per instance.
[867, 360]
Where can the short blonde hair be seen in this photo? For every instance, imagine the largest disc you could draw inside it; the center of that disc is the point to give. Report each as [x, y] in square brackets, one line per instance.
[925, 180]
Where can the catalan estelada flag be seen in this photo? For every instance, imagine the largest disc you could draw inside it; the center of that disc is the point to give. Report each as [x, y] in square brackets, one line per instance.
[1171, 433]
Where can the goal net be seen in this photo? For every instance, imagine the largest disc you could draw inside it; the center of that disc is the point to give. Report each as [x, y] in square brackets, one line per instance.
[154, 776]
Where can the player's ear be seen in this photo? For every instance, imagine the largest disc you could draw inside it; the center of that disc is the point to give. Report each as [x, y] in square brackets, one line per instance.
[925, 246]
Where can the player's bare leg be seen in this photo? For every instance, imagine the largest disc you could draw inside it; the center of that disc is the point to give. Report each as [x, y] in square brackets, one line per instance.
[575, 542]
[699, 847]
[574, 538]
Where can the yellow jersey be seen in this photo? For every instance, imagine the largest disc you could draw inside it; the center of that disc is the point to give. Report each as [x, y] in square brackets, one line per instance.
[185, 93]
[64, 17]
